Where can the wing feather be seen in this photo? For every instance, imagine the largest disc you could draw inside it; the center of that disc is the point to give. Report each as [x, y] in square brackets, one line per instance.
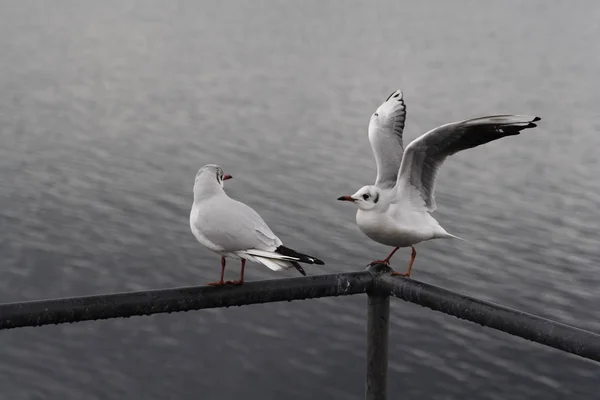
[385, 135]
[238, 227]
[425, 155]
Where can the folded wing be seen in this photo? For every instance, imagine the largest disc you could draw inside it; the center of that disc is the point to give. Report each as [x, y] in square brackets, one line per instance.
[239, 230]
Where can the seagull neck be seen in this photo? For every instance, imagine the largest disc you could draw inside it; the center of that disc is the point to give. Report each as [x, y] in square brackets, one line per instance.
[203, 191]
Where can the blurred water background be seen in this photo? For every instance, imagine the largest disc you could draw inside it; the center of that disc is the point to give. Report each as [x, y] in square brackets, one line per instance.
[107, 110]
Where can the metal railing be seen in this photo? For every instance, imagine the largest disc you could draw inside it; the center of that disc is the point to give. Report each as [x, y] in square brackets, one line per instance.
[376, 282]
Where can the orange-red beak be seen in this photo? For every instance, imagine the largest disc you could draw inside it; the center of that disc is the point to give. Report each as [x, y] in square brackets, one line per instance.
[227, 176]
[345, 198]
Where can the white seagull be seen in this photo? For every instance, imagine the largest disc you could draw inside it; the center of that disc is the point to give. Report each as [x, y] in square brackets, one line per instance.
[395, 211]
[232, 229]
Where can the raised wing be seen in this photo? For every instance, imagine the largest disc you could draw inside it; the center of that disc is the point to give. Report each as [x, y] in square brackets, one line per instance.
[424, 156]
[385, 134]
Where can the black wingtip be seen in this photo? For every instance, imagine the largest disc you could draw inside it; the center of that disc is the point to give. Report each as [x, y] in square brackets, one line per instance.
[286, 251]
[531, 124]
[298, 267]
[515, 130]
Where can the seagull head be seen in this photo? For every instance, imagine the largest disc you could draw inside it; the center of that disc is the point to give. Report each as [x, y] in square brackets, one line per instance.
[211, 173]
[366, 198]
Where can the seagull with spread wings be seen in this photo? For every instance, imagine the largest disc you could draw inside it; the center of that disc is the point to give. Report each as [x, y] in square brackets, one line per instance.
[396, 210]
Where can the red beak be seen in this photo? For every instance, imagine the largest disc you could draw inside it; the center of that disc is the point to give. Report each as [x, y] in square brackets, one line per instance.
[227, 176]
[346, 198]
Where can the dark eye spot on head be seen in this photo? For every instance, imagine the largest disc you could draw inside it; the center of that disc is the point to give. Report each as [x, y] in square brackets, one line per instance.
[365, 196]
[377, 115]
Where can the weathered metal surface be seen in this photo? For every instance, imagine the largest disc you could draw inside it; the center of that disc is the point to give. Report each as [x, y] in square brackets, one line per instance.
[528, 326]
[378, 325]
[57, 311]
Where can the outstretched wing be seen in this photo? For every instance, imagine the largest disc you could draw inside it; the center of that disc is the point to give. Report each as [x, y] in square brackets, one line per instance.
[424, 156]
[385, 134]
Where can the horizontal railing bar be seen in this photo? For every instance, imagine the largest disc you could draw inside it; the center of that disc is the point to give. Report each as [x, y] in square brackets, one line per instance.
[528, 326]
[377, 280]
[119, 305]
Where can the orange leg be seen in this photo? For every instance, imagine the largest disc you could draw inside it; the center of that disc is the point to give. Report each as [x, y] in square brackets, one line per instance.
[387, 259]
[413, 255]
[241, 281]
[221, 282]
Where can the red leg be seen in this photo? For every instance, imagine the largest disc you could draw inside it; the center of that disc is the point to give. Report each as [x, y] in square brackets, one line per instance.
[242, 273]
[241, 281]
[387, 259]
[413, 255]
[221, 282]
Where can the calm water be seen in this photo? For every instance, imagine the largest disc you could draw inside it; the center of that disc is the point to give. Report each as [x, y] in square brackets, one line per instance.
[108, 109]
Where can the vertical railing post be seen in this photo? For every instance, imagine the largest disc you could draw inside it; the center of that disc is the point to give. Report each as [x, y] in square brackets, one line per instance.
[378, 309]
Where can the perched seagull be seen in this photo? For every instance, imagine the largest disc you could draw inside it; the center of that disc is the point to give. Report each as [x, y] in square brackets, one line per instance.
[395, 211]
[232, 229]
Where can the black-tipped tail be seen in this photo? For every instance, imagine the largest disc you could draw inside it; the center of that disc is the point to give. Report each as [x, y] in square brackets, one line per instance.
[286, 251]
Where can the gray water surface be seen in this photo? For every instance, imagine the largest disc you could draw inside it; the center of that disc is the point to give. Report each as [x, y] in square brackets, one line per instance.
[107, 110]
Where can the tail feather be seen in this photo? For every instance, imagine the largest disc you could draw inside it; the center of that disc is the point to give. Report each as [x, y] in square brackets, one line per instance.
[268, 254]
[451, 236]
[286, 251]
[278, 265]
[281, 258]
[275, 265]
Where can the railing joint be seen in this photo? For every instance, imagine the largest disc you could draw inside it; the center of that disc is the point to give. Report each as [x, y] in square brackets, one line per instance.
[378, 271]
